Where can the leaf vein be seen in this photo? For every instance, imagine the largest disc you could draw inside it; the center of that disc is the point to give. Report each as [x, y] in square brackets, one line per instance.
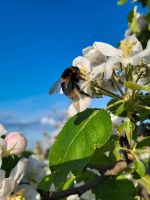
[78, 135]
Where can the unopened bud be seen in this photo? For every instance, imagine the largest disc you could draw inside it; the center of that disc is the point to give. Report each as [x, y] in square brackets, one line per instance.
[16, 143]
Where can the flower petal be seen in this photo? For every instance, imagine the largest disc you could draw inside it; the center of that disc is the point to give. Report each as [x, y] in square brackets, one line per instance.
[116, 121]
[79, 106]
[35, 169]
[2, 130]
[110, 65]
[97, 70]
[148, 44]
[29, 192]
[2, 147]
[142, 56]
[18, 172]
[73, 197]
[106, 49]
[73, 108]
[82, 63]
[6, 188]
[137, 47]
[94, 56]
[16, 143]
[3, 143]
[87, 50]
[2, 176]
[84, 103]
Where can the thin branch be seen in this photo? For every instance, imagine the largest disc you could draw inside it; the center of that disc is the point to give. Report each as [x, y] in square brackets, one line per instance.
[46, 195]
[76, 190]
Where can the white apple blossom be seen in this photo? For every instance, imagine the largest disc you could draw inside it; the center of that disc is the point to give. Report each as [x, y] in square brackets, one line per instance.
[8, 185]
[83, 64]
[129, 47]
[35, 170]
[95, 57]
[143, 56]
[90, 65]
[29, 192]
[97, 65]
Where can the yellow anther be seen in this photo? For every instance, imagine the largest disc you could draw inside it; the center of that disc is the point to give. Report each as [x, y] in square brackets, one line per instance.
[84, 73]
[17, 196]
[127, 47]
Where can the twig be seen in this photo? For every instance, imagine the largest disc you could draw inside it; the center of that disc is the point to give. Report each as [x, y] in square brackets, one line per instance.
[76, 190]
[46, 195]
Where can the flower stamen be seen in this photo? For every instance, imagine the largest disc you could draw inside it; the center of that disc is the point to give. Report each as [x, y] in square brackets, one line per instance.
[127, 46]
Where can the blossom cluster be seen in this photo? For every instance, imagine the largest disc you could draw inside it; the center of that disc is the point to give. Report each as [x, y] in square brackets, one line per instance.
[105, 68]
[19, 182]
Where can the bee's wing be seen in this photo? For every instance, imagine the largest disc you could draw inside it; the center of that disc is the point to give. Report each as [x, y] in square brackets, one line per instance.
[67, 87]
[55, 87]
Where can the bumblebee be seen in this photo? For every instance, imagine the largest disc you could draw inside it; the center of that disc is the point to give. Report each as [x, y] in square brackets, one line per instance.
[69, 83]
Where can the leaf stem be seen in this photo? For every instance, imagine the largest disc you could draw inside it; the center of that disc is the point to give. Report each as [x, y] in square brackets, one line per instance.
[111, 94]
[145, 107]
[114, 104]
[117, 85]
[139, 76]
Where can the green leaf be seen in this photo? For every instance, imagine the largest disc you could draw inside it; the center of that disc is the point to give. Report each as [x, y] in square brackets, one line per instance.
[132, 19]
[145, 181]
[121, 2]
[77, 142]
[130, 16]
[120, 109]
[69, 183]
[86, 176]
[127, 127]
[101, 160]
[9, 163]
[144, 142]
[45, 183]
[139, 167]
[27, 154]
[110, 145]
[117, 189]
[147, 18]
[135, 86]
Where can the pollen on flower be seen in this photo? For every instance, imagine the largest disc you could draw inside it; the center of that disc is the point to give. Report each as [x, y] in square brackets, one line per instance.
[17, 196]
[126, 47]
[84, 73]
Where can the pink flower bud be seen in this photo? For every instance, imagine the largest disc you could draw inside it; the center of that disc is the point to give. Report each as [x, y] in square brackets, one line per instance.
[16, 143]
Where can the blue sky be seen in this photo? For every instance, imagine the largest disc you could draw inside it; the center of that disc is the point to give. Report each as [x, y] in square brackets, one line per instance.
[38, 40]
